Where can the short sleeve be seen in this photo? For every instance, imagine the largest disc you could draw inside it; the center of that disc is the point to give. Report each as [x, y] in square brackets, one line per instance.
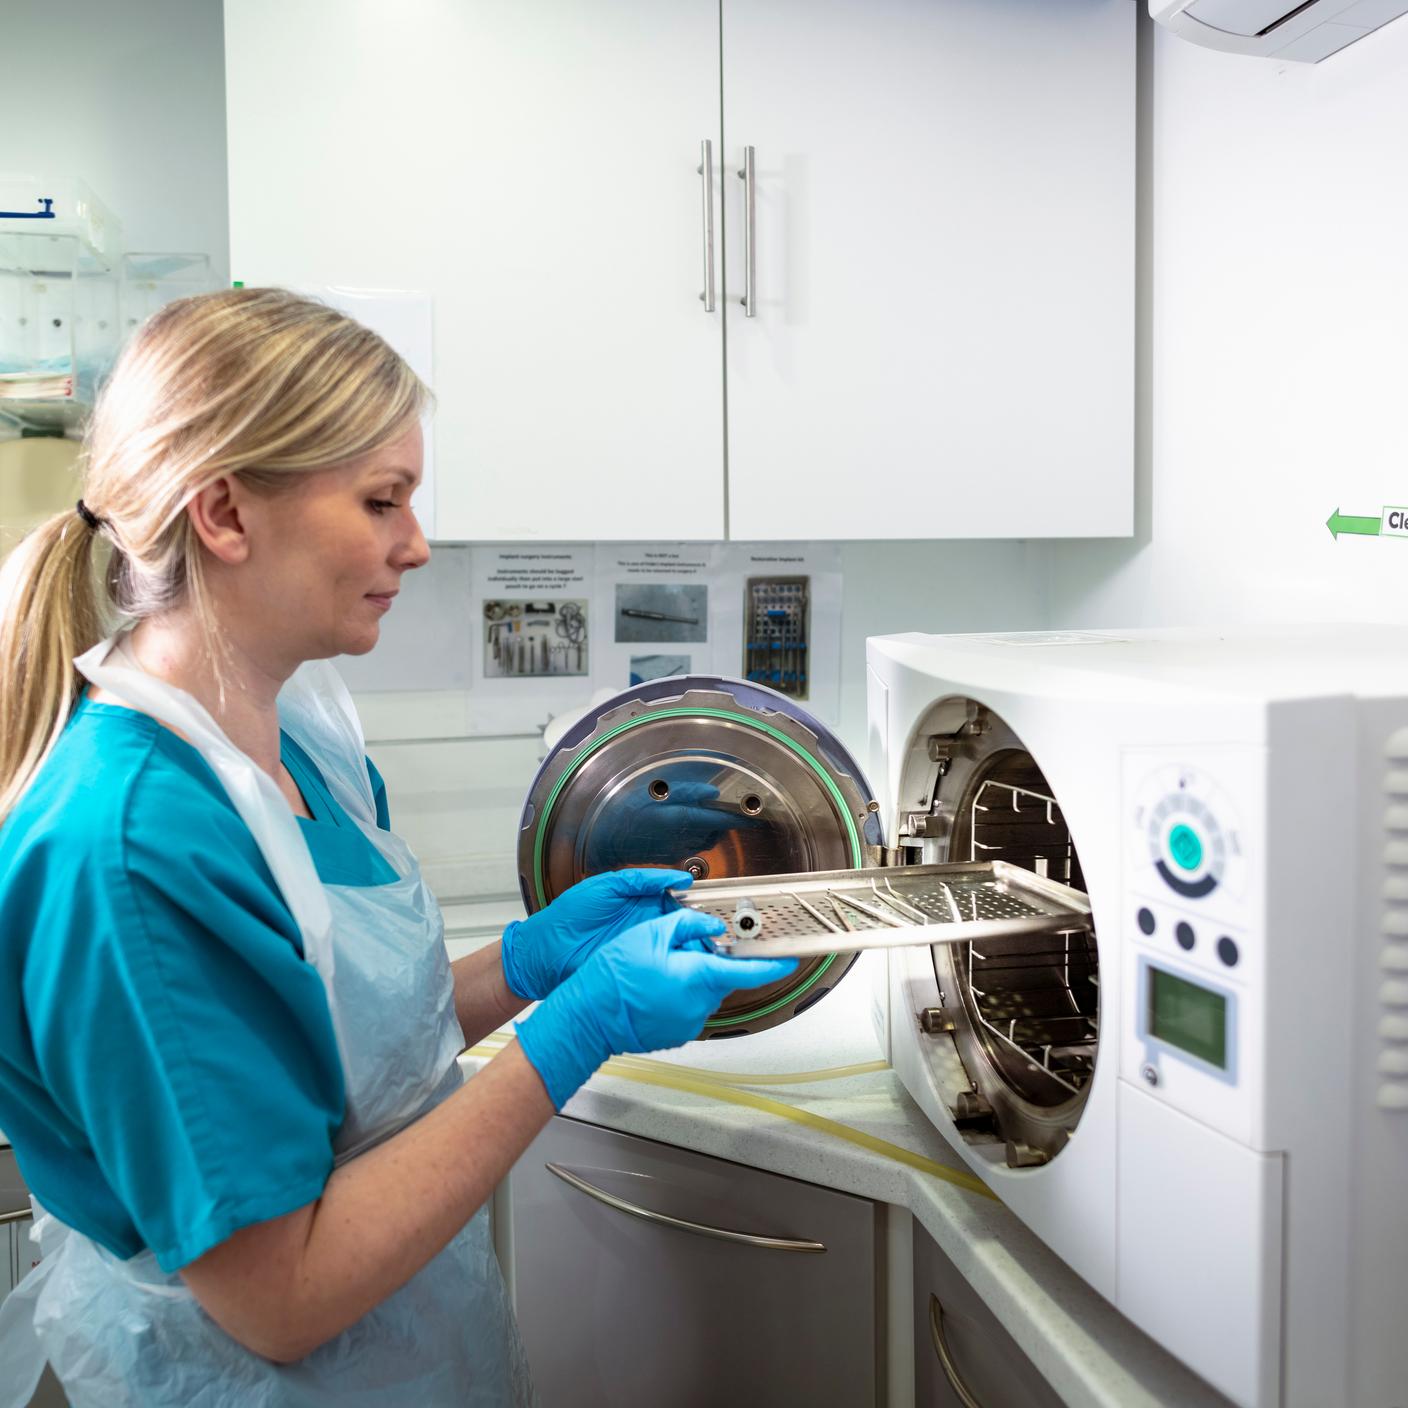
[383, 811]
[180, 1028]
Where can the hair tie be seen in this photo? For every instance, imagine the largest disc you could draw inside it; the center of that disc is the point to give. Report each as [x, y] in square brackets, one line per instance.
[89, 517]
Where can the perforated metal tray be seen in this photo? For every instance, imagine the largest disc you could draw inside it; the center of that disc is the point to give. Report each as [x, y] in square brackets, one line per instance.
[846, 911]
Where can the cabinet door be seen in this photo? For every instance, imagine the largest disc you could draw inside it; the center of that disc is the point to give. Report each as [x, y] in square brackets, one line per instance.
[533, 168]
[618, 1311]
[943, 343]
[962, 1355]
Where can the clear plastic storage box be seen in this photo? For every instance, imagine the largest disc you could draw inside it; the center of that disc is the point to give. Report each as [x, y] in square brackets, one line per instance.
[151, 281]
[59, 326]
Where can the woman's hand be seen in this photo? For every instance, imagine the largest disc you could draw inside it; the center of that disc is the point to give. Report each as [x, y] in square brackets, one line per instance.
[655, 987]
[542, 950]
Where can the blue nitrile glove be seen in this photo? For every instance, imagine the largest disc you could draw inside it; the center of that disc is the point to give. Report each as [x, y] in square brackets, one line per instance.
[653, 987]
[539, 952]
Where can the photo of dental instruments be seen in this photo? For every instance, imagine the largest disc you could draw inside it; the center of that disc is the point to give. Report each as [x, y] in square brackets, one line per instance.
[534, 637]
[661, 612]
[775, 622]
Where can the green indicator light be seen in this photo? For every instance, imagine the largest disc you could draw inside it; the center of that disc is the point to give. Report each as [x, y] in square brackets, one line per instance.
[1186, 847]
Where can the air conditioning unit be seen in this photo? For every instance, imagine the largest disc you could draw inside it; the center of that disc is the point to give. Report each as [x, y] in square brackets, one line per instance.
[1303, 31]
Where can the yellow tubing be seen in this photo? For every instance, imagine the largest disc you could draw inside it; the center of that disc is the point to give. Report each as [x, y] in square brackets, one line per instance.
[496, 1041]
[726, 1088]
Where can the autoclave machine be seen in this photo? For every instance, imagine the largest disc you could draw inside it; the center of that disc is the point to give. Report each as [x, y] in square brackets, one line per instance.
[1143, 901]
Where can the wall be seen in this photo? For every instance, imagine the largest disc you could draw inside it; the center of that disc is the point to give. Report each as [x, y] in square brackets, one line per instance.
[130, 98]
[457, 796]
[1273, 309]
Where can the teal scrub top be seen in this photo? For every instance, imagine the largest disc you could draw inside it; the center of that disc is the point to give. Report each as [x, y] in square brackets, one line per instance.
[168, 1070]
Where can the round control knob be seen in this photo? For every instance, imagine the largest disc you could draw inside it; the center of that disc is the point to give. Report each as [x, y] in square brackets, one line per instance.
[1186, 844]
[1189, 834]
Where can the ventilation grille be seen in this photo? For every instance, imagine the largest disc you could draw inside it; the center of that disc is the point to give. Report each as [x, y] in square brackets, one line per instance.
[1393, 986]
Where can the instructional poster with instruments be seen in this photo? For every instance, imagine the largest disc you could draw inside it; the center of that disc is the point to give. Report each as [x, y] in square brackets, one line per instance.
[555, 624]
[653, 602]
[533, 632]
[776, 620]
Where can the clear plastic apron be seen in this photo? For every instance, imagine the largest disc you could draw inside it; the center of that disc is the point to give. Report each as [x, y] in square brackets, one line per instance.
[122, 1333]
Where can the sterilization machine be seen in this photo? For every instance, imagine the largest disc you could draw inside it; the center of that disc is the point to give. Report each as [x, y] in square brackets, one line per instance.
[1141, 901]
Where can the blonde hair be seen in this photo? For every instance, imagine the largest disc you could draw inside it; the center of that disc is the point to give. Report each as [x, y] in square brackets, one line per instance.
[257, 383]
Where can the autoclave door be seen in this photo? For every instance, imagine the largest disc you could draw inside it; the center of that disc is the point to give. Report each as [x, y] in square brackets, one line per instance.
[719, 777]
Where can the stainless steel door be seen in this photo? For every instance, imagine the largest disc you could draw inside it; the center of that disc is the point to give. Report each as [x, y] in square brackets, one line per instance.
[652, 1276]
[963, 1358]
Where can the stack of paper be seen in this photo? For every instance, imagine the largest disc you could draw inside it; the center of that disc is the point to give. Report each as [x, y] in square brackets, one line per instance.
[35, 386]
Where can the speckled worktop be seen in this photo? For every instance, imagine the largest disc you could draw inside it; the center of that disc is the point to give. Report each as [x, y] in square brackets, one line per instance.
[1091, 1355]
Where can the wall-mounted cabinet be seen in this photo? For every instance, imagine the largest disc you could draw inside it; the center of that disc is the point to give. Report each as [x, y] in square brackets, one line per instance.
[936, 245]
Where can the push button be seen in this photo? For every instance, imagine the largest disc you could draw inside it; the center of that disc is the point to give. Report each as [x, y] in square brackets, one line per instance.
[1185, 846]
[1147, 923]
[1185, 935]
[1227, 951]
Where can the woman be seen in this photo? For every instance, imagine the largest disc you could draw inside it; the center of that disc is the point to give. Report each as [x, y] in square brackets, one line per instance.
[229, 1029]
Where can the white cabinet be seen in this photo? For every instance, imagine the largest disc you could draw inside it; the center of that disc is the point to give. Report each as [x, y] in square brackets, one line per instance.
[943, 238]
[532, 167]
[657, 1276]
[944, 338]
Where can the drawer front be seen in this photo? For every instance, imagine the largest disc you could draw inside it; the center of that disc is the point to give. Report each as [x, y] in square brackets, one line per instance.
[15, 1254]
[14, 1196]
[963, 1358]
[623, 1310]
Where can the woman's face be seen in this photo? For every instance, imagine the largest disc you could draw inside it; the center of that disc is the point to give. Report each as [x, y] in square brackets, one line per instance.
[326, 558]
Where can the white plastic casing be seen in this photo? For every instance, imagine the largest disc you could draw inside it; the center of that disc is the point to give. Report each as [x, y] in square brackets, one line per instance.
[1240, 1202]
[1288, 30]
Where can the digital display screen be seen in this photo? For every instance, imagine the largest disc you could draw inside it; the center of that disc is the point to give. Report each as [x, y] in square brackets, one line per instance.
[1189, 1017]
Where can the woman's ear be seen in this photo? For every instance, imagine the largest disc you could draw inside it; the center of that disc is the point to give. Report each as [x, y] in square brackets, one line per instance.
[215, 514]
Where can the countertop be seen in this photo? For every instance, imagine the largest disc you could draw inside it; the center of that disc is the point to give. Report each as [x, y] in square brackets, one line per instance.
[1091, 1355]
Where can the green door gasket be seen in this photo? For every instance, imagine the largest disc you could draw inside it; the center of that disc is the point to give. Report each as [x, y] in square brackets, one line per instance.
[851, 834]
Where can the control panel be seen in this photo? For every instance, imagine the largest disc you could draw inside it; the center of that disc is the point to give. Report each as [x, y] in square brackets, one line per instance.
[1190, 829]
[1193, 960]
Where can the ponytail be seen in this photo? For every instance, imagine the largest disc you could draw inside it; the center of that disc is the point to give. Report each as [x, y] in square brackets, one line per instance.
[49, 613]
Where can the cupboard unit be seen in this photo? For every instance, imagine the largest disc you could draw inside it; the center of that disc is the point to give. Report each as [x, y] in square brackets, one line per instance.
[943, 344]
[531, 167]
[963, 1358]
[922, 311]
[645, 1275]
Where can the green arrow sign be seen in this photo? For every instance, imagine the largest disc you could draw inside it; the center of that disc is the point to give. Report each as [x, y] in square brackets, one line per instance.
[1339, 523]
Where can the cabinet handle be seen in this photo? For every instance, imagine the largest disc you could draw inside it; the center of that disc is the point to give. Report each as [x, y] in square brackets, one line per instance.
[775, 1244]
[936, 1328]
[22, 1215]
[706, 172]
[750, 252]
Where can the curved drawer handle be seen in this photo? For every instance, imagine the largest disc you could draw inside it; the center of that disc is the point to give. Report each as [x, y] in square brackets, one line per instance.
[955, 1379]
[23, 1215]
[774, 1244]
